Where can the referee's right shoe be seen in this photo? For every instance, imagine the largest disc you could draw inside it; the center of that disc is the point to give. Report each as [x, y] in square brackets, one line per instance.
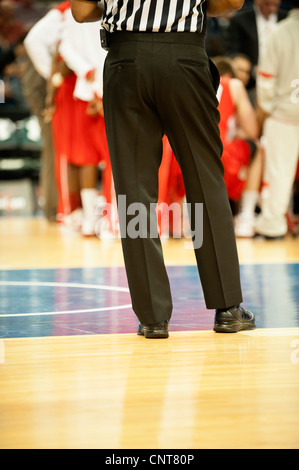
[233, 319]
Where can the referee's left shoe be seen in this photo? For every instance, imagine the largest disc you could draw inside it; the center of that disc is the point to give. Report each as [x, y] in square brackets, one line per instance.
[233, 319]
[154, 330]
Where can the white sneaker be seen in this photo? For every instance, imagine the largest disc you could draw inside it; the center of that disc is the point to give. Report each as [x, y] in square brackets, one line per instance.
[88, 228]
[73, 221]
[244, 226]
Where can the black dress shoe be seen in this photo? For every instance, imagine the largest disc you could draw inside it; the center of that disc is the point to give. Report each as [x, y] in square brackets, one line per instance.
[233, 319]
[154, 330]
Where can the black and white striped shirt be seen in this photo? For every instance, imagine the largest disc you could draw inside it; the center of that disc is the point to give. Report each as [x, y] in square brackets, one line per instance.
[155, 15]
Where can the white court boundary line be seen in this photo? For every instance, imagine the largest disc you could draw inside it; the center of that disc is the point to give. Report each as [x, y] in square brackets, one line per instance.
[64, 284]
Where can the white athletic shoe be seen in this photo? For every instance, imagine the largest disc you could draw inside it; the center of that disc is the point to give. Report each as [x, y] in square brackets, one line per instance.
[73, 221]
[88, 228]
[244, 226]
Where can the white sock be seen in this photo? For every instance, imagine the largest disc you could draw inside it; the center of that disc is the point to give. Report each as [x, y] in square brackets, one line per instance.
[88, 198]
[248, 203]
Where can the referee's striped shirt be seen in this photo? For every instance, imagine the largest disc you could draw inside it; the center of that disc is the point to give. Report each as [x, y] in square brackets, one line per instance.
[155, 15]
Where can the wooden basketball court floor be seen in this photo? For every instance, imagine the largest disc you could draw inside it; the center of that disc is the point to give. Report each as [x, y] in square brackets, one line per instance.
[74, 374]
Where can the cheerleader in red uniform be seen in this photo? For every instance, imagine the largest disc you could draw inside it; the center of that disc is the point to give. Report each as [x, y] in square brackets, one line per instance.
[79, 49]
[242, 155]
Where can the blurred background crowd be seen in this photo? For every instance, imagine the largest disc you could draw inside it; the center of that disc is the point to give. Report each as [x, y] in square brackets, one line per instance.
[54, 157]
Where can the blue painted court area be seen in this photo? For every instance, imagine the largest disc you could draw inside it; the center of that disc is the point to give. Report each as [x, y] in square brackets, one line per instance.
[60, 302]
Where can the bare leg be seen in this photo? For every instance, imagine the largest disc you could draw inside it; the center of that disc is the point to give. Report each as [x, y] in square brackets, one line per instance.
[88, 183]
[244, 221]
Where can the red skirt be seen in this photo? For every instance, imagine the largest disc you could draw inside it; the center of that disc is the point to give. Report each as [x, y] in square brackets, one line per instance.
[89, 142]
[235, 159]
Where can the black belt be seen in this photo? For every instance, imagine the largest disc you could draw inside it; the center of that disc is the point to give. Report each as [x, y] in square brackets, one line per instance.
[129, 36]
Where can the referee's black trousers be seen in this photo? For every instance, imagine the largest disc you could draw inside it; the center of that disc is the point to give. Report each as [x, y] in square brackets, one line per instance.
[156, 84]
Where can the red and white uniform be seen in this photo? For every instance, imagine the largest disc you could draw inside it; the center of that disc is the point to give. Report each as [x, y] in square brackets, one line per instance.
[236, 152]
[81, 50]
[42, 39]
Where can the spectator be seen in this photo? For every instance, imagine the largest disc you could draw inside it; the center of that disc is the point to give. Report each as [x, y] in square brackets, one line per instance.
[216, 35]
[29, 12]
[248, 29]
[11, 29]
[10, 54]
[12, 67]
